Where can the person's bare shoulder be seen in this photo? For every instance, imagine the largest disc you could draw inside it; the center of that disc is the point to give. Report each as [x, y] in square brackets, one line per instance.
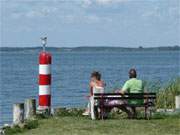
[91, 84]
[101, 83]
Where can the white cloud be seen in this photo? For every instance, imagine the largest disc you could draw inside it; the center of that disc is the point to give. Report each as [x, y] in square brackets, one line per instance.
[83, 18]
[75, 13]
[110, 1]
[87, 2]
[158, 12]
[174, 11]
[35, 12]
[32, 14]
[39, 9]
[153, 12]
[16, 15]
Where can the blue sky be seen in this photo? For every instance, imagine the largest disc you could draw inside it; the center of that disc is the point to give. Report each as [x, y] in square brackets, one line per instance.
[70, 23]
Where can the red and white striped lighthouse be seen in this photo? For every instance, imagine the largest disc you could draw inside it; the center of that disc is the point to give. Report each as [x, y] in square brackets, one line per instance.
[44, 78]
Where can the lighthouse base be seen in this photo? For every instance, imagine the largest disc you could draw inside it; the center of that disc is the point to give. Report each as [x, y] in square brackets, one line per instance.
[45, 110]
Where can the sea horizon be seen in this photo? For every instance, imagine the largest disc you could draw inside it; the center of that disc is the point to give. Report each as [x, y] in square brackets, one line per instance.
[99, 48]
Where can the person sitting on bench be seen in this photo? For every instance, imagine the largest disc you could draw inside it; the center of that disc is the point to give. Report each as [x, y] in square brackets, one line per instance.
[133, 85]
[96, 86]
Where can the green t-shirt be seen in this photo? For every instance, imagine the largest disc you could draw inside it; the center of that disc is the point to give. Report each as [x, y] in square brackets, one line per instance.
[134, 86]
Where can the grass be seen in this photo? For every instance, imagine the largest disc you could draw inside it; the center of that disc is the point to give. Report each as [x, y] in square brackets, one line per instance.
[72, 125]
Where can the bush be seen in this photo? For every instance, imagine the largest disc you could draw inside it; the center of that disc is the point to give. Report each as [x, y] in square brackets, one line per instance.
[166, 96]
[69, 112]
[29, 124]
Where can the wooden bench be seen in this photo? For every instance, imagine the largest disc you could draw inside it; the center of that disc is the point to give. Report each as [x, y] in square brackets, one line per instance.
[100, 102]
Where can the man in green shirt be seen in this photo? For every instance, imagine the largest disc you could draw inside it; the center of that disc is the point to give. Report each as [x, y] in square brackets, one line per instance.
[133, 85]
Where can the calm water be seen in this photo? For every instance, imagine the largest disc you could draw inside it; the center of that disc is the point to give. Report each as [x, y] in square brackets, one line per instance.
[71, 71]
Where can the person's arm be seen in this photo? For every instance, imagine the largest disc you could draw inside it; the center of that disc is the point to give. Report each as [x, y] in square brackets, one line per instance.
[91, 88]
[104, 84]
[124, 88]
[122, 92]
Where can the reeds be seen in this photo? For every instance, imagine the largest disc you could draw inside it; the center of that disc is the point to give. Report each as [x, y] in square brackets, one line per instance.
[166, 95]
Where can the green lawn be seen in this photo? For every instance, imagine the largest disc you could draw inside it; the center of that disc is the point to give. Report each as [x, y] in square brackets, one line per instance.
[71, 125]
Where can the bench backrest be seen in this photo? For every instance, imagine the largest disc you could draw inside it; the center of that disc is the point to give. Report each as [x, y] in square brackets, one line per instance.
[116, 96]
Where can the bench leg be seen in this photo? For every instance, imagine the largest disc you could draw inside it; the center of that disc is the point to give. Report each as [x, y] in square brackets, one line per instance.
[92, 108]
[134, 113]
[150, 114]
[101, 111]
[146, 113]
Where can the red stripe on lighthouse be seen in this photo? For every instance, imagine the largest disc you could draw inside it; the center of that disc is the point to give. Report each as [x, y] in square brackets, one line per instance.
[45, 58]
[44, 79]
[45, 100]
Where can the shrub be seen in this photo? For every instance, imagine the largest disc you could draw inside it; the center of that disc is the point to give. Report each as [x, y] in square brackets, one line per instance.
[31, 124]
[166, 96]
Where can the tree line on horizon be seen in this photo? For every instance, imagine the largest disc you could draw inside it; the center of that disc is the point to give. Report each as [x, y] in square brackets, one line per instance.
[98, 48]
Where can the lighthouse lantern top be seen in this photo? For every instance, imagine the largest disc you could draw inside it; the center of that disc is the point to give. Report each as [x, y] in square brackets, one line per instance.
[44, 42]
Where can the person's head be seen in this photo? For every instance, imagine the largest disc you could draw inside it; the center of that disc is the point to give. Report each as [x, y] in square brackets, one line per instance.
[96, 76]
[132, 73]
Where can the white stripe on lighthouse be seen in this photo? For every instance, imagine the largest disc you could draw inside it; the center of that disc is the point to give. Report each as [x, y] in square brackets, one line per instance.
[44, 89]
[44, 69]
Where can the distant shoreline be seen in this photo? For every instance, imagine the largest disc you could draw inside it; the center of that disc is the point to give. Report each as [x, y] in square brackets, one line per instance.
[99, 48]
